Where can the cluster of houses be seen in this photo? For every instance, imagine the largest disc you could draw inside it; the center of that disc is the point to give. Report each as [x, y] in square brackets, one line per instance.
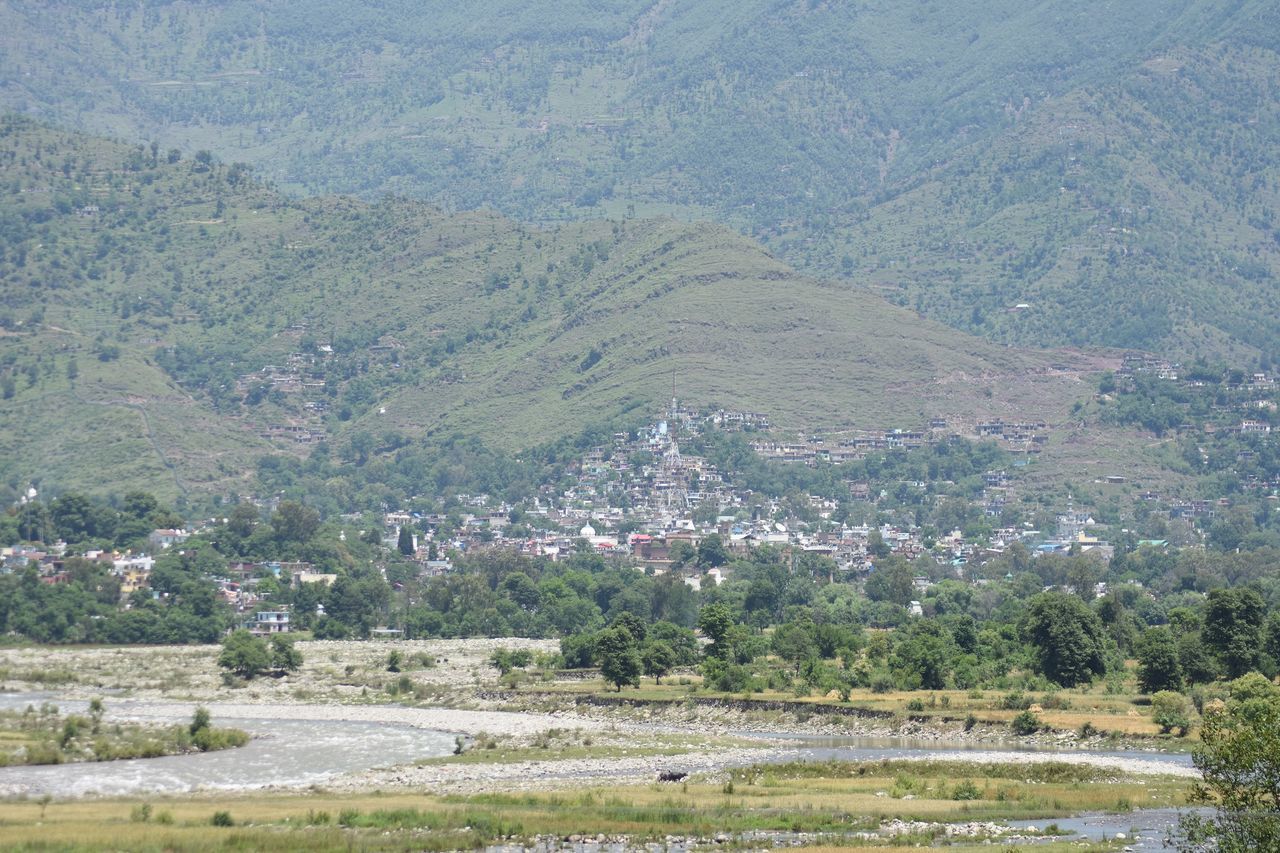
[643, 498]
[133, 569]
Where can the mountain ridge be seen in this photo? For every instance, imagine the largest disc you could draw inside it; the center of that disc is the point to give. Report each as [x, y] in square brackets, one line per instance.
[242, 322]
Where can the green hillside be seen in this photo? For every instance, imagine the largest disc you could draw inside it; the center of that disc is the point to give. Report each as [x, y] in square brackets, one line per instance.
[169, 320]
[968, 156]
[1139, 214]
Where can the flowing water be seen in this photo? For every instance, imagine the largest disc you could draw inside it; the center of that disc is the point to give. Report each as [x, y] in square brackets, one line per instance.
[300, 752]
[282, 752]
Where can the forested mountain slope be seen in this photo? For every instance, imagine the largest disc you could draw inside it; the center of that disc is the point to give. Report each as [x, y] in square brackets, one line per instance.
[144, 288]
[856, 139]
[1139, 214]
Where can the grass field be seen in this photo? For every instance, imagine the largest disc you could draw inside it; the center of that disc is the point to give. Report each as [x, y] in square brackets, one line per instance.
[835, 801]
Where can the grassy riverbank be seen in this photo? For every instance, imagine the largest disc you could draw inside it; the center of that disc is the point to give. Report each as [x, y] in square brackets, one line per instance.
[864, 805]
[457, 674]
[45, 736]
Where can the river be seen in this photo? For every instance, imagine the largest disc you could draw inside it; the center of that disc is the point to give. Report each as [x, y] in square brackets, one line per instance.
[293, 748]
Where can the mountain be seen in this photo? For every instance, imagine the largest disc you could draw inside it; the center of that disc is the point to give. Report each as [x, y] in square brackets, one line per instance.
[1107, 164]
[1138, 214]
[170, 319]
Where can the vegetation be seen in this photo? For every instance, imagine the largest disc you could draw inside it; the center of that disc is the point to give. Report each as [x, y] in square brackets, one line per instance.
[836, 799]
[1239, 756]
[45, 736]
[248, 656]
[1109, 169]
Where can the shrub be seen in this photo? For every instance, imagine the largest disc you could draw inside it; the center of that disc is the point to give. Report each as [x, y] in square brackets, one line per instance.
[882, 682]
[1015, 701]
[222, 819]
[965, 789]
[199, 721]
[1025, 723]
[1169, 712]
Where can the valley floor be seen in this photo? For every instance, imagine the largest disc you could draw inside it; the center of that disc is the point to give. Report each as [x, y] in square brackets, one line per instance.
[536, 765]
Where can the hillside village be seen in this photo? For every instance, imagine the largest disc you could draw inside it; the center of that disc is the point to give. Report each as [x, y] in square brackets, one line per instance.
[643, 499]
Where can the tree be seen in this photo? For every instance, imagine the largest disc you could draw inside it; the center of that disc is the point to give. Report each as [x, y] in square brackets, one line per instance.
[1233, 628]
[714, 621]
[1158, 664]
[1066, 636]
[891, 581]
[244, 654]
[404, 542]
[795, 641]
[681, 641]
[243, 519]
[1169, 712]
[294, 522]
[285, 657]
[658, 659]
[578, 650]
[680, 553]
[711, 552]
[1239, 759]
[633, 625]
[619, 658]
[923, 655]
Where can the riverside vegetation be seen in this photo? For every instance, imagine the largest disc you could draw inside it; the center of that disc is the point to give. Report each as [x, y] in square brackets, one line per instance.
[857, 805]
[45, 736]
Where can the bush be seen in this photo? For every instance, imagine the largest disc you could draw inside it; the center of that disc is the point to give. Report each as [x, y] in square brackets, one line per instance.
[965, 789]
[1015, 701]
[222, 819]
[1169, 712]
[1025, 723]
[882, 682]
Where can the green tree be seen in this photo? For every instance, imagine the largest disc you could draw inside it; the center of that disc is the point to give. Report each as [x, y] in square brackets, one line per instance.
[1169, 711]
[244, 654]
[633, 625]
[1158, 664]
[1239, 759]
[795, 641]
[715, 622]
[243, 519]
[1066, 636]
[1233, 628]
[294, 522]
[284, 654]
[618, 654]
[891, 581]
[658, 659]
[923, 655]
[404, 542]
[711, 551]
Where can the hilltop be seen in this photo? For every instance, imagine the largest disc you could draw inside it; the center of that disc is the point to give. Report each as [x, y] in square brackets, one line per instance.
[1105, 164]
[143, 288]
